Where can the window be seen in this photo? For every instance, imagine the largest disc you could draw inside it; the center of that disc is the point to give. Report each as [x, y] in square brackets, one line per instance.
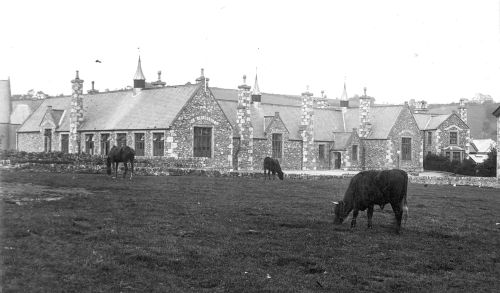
[406, 148]
[447, 154]
[453, 137]
[355, 152]
[158, 144]
[139, 144]
[89, 144]
[429, 138]
[121, 139]
[105, 144]
[321, 152]
[277, 145]
[456, 156]
[65, 143]
[202, 142]
[47, 140]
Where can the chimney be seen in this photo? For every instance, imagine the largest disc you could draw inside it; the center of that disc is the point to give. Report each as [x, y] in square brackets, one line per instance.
[420, 107]
[203, 80]
[139, 79]
[364, 115]
[158, 83]
[76, 114]
[245, 127]
[321, 101]
[462, 109]
[93, 90]
[307, 131]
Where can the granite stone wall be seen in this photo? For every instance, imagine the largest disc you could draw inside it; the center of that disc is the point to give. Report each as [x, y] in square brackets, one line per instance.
[405, 126]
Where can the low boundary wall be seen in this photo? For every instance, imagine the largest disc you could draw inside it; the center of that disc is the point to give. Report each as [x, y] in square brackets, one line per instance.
[162, 171]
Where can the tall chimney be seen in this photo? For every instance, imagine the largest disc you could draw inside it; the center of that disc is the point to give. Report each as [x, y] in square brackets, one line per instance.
[307, 131]
[245, 127]
[364, 115]
[462, 110]
[203, 80]
[76, 114]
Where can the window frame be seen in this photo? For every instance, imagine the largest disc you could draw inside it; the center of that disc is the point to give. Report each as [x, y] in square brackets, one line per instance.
[277, 145]
[140, 151]
[158, 144]
[105, 143]
[124, 134]
[456, 138]
[47, 140]
[202, 141]
[321, 152]
[64, 143]
[354, 153]
[406, 149]
[429, 138]
[89, 143]
[459, 156]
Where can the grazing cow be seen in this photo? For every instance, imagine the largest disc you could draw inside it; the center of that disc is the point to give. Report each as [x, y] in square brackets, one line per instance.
[123, 154]
[272, 165]
[369, 188]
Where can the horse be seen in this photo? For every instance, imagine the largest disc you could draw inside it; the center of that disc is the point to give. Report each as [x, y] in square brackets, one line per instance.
[122, 154]
[272, 165]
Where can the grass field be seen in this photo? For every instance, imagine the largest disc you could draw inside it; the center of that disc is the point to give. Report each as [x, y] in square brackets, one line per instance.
[89, 233]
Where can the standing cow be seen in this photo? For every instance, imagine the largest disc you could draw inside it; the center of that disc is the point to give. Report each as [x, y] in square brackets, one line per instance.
[369, 188]
[272, 165]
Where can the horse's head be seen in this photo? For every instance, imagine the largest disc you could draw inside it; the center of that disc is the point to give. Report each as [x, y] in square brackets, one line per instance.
[108, 165]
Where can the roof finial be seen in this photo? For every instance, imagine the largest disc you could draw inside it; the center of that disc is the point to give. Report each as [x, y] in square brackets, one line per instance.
[364, 89]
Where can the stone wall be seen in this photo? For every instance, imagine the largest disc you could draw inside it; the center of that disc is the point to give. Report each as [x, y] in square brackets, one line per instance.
[405, 126]
[30, 142]
[309, 152]
[179, 142]
[245, 128]
[443, 134]
[347, 157]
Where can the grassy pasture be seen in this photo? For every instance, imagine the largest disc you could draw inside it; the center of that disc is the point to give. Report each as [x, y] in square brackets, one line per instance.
[88, 233]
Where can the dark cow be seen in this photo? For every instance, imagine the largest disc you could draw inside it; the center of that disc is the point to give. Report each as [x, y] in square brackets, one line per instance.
[369, 188]
[122, 154]
[272, 165]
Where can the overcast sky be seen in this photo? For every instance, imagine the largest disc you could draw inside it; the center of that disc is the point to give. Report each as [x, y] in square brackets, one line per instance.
[439, 51]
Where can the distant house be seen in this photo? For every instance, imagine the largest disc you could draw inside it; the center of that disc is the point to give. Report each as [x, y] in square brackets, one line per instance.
[227, 128]
[444, 134]
[479, 149]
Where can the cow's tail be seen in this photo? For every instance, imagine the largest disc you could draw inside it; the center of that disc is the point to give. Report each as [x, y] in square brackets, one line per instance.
[406, 211]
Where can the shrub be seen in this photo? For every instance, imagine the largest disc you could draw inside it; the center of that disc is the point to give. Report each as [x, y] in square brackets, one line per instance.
[489, 166]
[441, 163]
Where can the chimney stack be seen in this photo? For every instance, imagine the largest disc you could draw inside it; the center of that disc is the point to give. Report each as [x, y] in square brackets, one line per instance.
[462, 109]
[364, 115]
[158, 83]
[76, 114]
[93, 90]
[307, 131]
[420, 107]
[245, 127]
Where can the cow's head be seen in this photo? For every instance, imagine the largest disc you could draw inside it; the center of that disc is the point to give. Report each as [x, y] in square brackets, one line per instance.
[339, 212]
[280, 174]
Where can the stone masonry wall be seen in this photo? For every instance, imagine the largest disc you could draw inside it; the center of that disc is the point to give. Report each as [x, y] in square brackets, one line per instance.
[309, 153]
[405, 126]
[347, 162]
[30, 142]
[179, 140]
[76, 114]
[453, 124]
[245, 128]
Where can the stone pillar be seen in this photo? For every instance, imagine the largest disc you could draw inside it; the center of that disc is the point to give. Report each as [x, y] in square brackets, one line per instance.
[245, 128]
[307, 132]
[5, 109]
[76, 115]
[462, 110]
[364, 115]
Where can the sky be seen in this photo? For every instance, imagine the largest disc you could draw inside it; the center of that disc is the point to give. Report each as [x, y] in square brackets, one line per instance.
[438, 51]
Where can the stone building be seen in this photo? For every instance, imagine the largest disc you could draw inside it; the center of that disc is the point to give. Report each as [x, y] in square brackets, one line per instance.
[496, 113]
[444, 134]
[226, 128]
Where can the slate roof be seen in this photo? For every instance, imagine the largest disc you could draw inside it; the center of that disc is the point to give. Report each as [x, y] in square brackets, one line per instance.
[232, 95]
[341, 139]
[382, 119]
[482, 145]
[428, 121]
[147, 109]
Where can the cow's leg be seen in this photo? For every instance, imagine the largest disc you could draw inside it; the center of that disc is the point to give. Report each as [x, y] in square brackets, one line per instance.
[131, 169]
[126, 169]
[354, 216]
[369, 213]
[398, 212]
[115, 164]
[274, 175]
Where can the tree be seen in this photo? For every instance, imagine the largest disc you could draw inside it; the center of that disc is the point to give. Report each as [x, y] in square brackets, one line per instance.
[488, 168]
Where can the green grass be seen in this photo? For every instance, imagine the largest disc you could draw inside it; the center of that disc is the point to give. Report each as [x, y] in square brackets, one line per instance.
[206, 234]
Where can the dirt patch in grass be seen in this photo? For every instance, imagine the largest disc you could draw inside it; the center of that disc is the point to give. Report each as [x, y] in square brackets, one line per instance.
[206, 234]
